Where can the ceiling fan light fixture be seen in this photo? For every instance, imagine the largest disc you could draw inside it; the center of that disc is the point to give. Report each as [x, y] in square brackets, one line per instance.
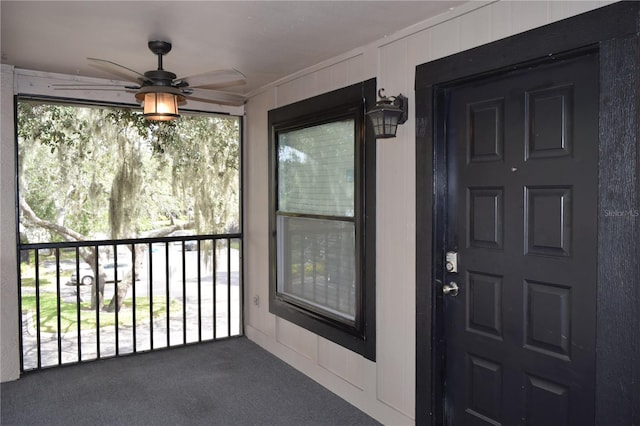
[160, 106]
[160, 103]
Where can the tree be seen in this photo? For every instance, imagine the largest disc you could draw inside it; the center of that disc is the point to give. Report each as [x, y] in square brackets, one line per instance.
[89, 173]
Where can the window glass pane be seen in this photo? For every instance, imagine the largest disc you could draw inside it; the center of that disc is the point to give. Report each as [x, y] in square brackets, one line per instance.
[316, 263]
[316, 169]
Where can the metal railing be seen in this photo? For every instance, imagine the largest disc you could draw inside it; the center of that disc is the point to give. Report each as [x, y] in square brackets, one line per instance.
[82, 301]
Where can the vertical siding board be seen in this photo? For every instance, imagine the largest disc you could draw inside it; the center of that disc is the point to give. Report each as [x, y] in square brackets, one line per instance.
[355, 69]
[9, 312]
[324, 80]
[395, 286]
[476, 28]
[562, 9]
[408, 234]
[297, 338]
[445, 39]
[341, 362]
[296, 90]
[257, 224]
[339, 75]
[419, 50]
[501, 20]
[526, 15]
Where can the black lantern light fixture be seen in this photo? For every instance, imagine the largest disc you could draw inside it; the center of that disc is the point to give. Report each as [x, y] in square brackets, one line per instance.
[387, 114]
[159, 96]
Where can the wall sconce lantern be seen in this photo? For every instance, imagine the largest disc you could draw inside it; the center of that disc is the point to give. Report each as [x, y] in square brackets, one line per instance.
[160, 103]
[387, 114]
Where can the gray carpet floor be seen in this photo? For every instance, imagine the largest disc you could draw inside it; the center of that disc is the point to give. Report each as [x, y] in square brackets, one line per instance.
[230, 382]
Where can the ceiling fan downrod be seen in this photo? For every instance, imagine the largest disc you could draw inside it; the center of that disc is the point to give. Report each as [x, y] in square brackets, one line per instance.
[160, 76]
[160, 48]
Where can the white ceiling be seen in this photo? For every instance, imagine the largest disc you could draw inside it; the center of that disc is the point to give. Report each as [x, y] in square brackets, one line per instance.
[265, 40]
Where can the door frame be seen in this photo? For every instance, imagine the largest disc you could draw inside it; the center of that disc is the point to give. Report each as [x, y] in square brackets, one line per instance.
[613, 32]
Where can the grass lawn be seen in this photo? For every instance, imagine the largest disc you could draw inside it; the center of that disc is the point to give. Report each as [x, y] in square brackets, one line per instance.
[69, 312]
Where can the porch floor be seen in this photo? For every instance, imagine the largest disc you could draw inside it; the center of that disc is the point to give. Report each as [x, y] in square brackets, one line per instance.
[228, 382]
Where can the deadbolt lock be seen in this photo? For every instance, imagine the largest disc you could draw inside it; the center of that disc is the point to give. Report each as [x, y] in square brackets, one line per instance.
[451, 261]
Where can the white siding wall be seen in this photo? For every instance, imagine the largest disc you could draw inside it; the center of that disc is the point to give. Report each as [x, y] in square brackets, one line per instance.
[384, 389]
[9, 354]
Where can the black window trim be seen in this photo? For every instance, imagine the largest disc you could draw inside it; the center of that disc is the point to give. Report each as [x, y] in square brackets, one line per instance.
[349, 102]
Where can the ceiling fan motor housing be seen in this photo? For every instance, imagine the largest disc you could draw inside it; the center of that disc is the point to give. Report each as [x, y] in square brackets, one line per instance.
[160, 77]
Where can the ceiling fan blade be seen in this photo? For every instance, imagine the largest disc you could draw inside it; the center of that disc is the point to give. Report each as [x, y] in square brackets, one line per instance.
[215, 97]
[119, 70]
[215, 79]
[94, 88]
[82, 86]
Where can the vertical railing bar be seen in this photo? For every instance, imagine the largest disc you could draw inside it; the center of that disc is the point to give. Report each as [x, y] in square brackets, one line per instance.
[133, 291]
[215, 282]
[240, 287]
[150, 294]
[115, 297]
[346, 290]
[326, 269]
[350, 295]
[339, 283]
[20, 335]
[78, 305]
[96, 283]
[302, 264]
[184, 295]
[38, 341]
[288, 259]
[228, 287]
[340, 265]
[199, 294]
[314, 245]
[59, 322]
[167, 285]
[241, 205]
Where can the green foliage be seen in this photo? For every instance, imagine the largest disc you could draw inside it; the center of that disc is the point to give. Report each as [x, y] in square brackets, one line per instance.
[54, 126]
[110, 173]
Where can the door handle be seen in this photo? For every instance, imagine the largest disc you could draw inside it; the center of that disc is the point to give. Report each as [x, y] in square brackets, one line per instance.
[450, 289]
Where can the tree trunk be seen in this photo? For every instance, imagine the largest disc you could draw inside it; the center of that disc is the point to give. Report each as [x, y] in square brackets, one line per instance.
[99, 285]
[121, 293]
[122, 287]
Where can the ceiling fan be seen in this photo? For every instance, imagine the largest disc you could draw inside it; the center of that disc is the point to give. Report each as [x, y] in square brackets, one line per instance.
[161, 91]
